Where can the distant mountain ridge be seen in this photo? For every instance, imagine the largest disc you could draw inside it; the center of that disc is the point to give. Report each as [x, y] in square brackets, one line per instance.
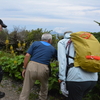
[53, 32]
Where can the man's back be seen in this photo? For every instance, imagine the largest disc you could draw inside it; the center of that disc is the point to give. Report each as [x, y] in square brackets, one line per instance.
[74, 73]
[41, 52]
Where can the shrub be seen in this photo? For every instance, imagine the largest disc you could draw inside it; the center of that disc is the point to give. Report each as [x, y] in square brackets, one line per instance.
[12, 65]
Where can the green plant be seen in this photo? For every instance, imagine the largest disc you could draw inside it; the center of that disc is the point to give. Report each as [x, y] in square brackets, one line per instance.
[53, 80]
[12, 65]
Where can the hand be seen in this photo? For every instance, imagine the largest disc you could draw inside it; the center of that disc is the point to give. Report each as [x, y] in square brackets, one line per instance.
[63, 89]
[23, 73]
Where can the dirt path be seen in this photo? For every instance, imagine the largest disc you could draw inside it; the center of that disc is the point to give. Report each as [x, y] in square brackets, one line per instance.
[12, 89]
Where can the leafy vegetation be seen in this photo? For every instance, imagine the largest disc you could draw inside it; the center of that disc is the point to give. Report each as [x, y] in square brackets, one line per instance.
[12, 65]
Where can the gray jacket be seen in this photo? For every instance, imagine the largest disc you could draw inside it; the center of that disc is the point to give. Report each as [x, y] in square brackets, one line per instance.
[75, 74]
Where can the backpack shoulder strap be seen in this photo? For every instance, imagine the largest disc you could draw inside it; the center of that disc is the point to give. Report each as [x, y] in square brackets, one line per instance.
[67, 57]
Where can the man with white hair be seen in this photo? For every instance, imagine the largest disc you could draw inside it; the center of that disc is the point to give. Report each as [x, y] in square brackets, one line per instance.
[40, 53]
[2, 25]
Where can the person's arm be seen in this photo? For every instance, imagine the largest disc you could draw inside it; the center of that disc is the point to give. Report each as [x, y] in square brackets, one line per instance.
[62, 67]
[62, 61]
[26, 60]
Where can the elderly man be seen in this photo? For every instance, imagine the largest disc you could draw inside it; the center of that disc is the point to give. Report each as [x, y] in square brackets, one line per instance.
[2, 25]
[39, 53]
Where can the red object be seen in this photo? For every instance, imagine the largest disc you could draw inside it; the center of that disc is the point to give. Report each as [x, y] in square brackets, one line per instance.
[85, 35]
[93, 57]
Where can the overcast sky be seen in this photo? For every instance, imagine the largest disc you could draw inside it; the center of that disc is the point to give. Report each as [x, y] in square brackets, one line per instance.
[56, 15]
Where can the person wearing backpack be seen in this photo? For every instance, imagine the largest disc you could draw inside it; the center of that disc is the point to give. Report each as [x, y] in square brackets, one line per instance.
[2, 25]
[74, 81]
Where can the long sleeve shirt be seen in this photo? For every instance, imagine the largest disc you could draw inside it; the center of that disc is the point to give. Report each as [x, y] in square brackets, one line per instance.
[75, 74]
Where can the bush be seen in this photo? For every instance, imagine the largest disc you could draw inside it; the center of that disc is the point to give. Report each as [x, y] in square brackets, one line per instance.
[12, 65]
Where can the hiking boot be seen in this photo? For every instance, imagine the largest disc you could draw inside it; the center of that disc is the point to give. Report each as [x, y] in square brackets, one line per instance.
[2, 94]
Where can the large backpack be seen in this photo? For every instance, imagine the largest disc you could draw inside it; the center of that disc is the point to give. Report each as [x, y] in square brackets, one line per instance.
[87, 51]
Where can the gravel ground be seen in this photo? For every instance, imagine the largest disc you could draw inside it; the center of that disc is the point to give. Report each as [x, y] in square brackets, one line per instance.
[12, 89]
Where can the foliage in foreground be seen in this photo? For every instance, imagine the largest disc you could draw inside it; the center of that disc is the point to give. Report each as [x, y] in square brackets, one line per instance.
[12, 65]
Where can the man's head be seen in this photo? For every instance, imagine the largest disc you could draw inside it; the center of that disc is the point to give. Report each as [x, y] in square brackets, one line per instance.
[47, 37]
[2, 25]
[67, 34]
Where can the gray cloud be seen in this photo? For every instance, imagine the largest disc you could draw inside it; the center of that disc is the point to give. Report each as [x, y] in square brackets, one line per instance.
[57, 15]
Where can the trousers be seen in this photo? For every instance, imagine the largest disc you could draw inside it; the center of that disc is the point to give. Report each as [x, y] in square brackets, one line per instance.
[78, 89]
[35, 71]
